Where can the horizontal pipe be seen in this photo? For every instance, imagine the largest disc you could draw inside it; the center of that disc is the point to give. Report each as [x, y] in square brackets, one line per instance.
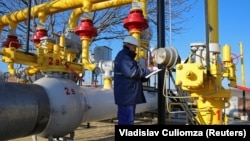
[48, 8]
[24, 110]
[56, 6]
[74, 17]
[54, 107]
[102, 106]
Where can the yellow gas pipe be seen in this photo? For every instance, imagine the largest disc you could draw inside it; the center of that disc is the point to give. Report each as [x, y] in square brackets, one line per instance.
[145, 44]
[214, 102]
[57, 6]
[107, 83]
[242, 65]
[243, 80]
[85, 54]
[109, 4]
[13, 27]
[85, 41]
[137, 35]
[74, 17]
[141, 52]
[87, 5]
[213, 20]
[42, 17]
[206, 89]
[11, 68]
[144, 8]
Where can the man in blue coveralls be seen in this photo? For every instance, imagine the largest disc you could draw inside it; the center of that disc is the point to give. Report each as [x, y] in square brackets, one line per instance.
[128, 79]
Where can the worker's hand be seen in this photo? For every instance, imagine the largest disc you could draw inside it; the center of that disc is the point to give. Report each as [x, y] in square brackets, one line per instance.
[150, 68]
[155, 68]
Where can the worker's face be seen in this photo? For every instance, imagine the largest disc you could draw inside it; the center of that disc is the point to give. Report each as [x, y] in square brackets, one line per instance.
[132, 47]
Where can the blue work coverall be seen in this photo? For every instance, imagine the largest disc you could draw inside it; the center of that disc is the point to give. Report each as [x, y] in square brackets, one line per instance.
[128, 88]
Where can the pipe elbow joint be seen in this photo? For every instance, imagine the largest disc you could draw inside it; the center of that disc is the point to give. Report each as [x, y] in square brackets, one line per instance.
[89, 66]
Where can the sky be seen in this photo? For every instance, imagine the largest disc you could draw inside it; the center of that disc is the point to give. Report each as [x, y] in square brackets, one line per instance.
[234, 27]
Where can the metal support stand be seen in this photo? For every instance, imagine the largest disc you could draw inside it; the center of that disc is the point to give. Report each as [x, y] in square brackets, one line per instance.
[34, 138]
[70, 138]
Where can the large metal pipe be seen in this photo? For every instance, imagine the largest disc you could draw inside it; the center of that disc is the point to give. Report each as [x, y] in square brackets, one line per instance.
[101, 104]
[54, 107]
[67, 105]
[24, 110]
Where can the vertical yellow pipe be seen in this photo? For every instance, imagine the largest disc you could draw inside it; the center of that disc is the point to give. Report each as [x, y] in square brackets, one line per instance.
[214, 102]
[216, 105]
[87, 5]
[143, 52]
[62, 41]
[42, 17]
[137, 35]
[243, 79]
[213, 20]
[144, 8]
[85, 54]
[56, 49]
[107, 83]
[11, 68]
[12, 28]
[12, 25]
[73, 18]
[242, 65]
[93, 5]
